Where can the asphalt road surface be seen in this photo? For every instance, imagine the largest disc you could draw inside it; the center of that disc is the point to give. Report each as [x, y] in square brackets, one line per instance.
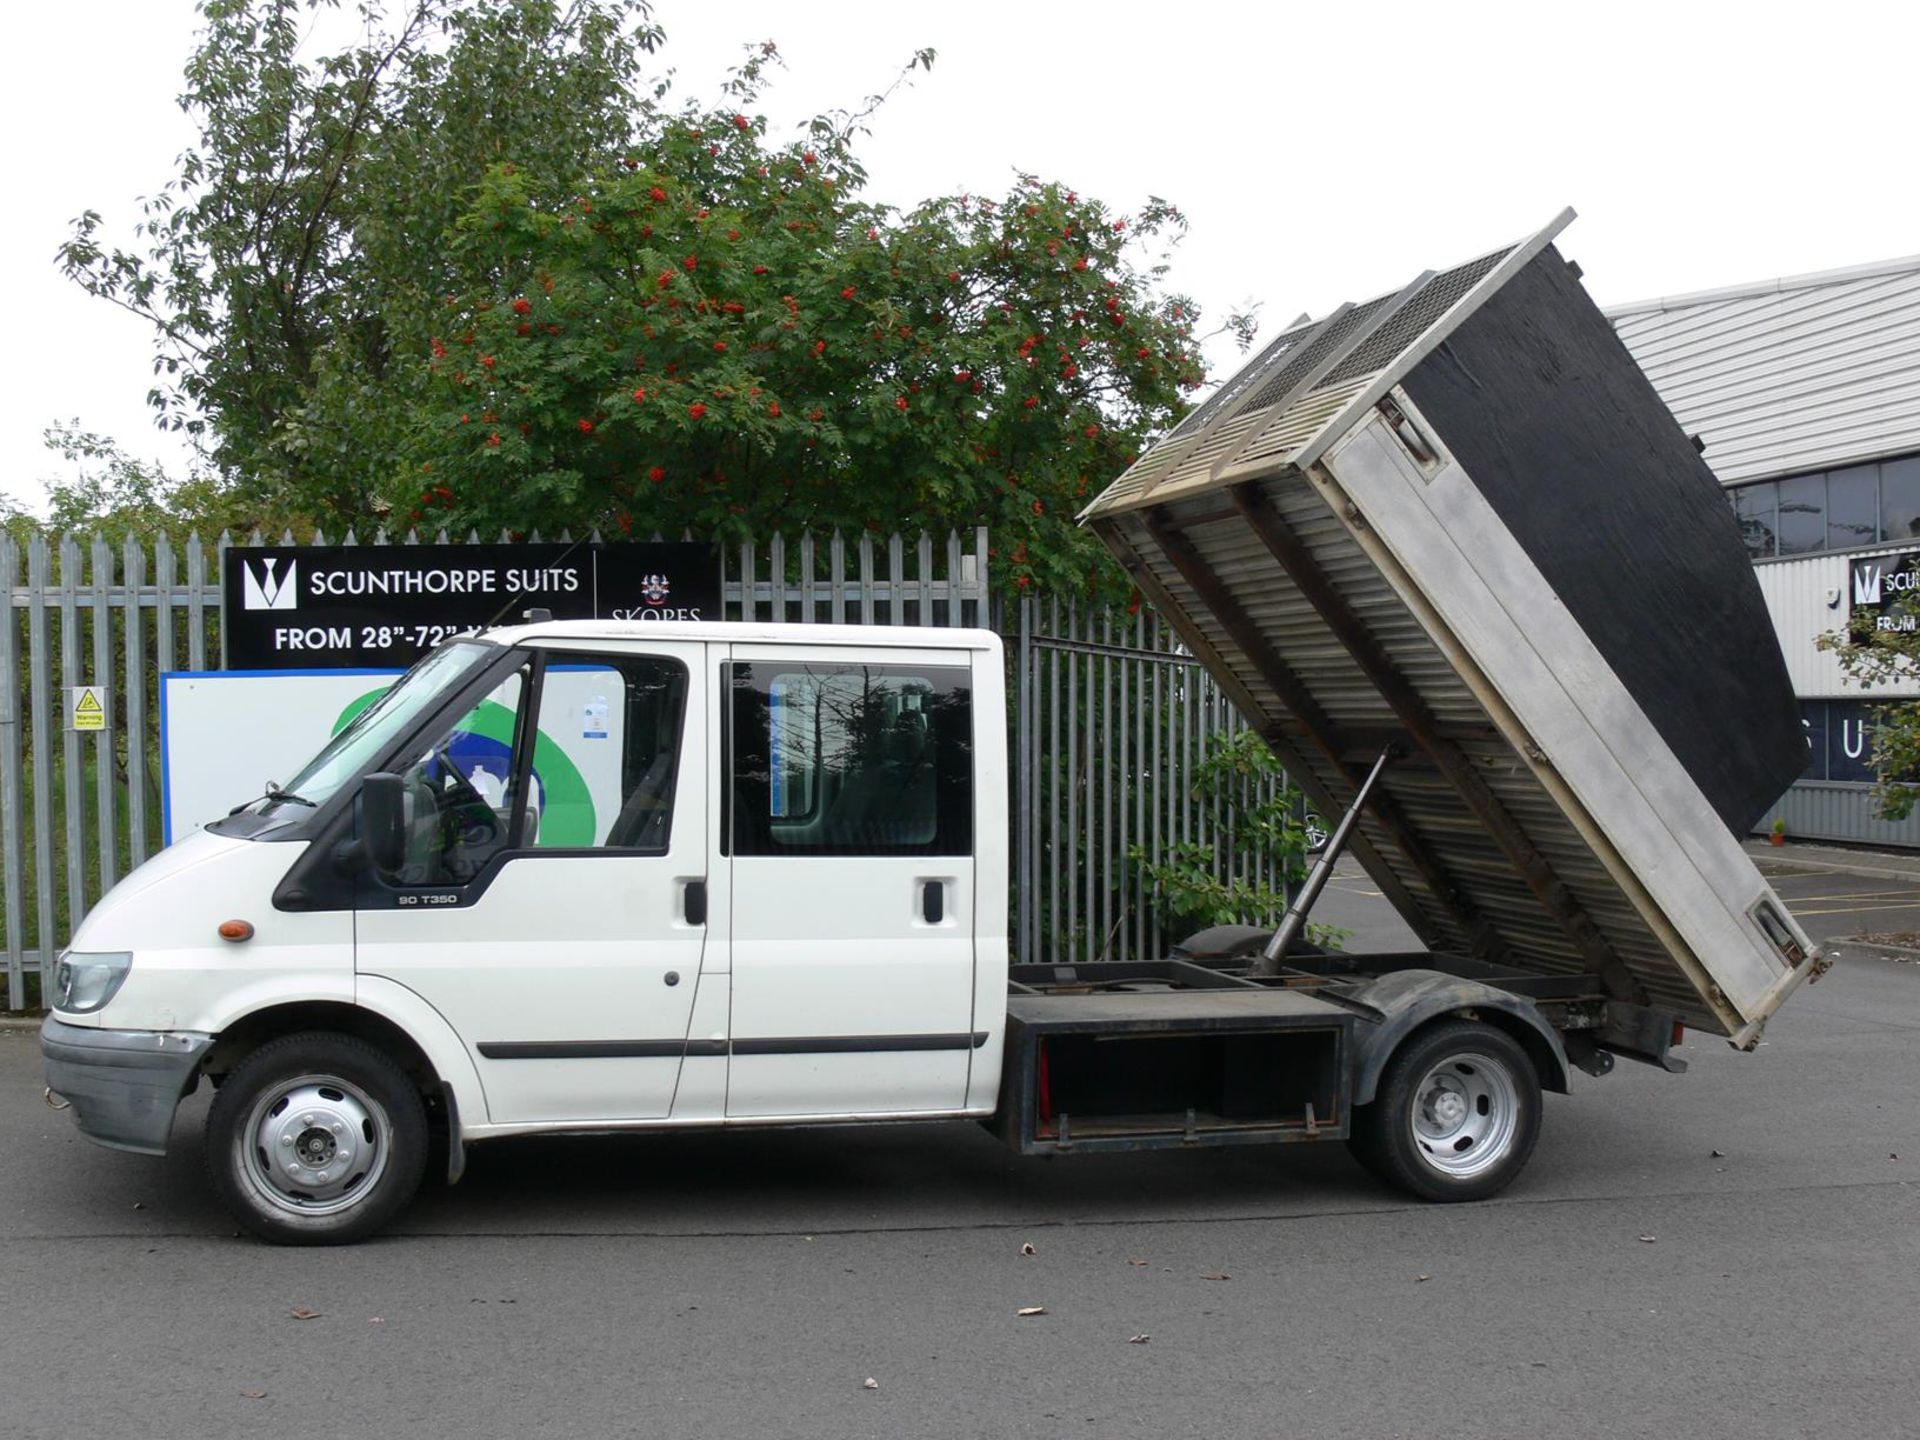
[1735, 1251]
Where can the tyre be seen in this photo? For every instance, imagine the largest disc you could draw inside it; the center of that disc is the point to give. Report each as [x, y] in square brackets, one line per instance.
[1455, 1116]
[316, 1139]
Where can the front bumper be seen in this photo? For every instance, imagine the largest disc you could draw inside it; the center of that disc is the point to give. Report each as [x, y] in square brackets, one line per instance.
[124, 1085]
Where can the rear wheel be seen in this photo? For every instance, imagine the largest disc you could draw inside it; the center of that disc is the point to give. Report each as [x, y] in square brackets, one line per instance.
[316, 1139]
[1455, 1116]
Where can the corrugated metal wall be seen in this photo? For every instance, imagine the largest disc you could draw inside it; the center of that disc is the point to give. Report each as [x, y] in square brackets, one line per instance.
[1799, 374]
[1821, 811]
[1807, 598]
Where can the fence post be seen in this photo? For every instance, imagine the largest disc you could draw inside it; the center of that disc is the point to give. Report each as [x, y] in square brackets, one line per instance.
[746, 582]
[777, 579]
[896, 580]
[837, 577]
[70, 756]
[40, 700]
[197, 605]
[1023, 781]
[12, 830]
[923, 562]
[105, 770]
[134, 575]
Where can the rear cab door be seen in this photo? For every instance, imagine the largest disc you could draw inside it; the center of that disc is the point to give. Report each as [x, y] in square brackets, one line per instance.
[849, 829]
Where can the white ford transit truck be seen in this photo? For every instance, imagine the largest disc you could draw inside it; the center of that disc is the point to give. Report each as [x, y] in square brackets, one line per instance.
[1445, 549]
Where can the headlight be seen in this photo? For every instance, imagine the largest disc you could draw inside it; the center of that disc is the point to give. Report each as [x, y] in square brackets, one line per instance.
[83, 983]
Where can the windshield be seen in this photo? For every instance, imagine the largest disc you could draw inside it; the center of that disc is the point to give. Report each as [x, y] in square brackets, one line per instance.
[366, 734]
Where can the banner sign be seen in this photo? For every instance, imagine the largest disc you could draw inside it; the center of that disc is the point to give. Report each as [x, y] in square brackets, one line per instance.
[224, 736]
[1884, 591]
[336, 606]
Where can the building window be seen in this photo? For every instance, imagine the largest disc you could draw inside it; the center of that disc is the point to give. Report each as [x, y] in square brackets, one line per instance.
[1846, 509]
[1900, 498]
[1803, 514]
[1853, 507]
[1754, 506]
[1839, 740]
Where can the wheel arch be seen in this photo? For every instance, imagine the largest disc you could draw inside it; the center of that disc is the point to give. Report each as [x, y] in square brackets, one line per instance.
[241, 1037]
[388, 1016]
[1412, 1000]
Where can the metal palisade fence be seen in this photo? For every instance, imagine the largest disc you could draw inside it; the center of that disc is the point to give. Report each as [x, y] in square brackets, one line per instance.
[1110, 718]
[1113, 719]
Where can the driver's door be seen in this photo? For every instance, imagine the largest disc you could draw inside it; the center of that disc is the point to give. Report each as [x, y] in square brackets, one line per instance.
[550, 901]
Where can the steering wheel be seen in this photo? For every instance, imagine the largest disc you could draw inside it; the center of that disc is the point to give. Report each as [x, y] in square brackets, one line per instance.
[470, 828]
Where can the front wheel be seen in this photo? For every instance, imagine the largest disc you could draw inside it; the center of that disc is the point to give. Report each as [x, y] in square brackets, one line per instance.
[316, 1139]
[1455, 1116]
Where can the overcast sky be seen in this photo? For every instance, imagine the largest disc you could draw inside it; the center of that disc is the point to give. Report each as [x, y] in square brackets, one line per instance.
[1322, 152]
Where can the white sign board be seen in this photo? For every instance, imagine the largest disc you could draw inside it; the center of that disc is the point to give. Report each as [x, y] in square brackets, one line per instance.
[225, 734]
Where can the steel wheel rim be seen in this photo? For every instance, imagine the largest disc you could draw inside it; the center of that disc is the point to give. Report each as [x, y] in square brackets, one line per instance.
[1466, 1114]
[313, 1145]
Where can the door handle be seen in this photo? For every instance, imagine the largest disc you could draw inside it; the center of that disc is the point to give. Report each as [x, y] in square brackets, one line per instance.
[933, 901]
[693, 901]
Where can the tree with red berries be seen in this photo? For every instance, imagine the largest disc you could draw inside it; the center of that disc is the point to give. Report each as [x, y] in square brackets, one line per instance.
[682, 325]
[287, 266]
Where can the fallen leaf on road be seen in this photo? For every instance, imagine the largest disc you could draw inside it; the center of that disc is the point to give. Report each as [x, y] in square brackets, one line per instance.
[1216, 1275]
[1136, 1262]
[1031, 1310]
[1648, 1239]
[1026, 1249]
[301, 1312]
[253, 1394]
[1138, 1339]
[869, 1383]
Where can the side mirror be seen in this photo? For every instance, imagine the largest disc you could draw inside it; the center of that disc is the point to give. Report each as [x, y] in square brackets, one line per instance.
[383, 821]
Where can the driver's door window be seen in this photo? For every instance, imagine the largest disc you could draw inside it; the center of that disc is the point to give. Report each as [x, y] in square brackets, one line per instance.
[459, 797]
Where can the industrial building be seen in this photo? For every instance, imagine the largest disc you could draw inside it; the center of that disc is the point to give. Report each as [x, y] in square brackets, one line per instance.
[1805, 393]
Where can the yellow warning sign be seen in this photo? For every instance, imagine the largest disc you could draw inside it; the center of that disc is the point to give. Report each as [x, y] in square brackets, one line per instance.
[86, 707]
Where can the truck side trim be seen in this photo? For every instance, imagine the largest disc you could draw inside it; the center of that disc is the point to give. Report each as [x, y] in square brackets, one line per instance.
[858, 1044]
[597, 1049]
[668, 1049]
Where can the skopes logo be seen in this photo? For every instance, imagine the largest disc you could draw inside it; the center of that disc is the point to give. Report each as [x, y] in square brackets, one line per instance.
[261, 589]
[654, 589]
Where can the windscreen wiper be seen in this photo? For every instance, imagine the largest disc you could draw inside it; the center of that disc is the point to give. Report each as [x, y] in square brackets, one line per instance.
[274, 792]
